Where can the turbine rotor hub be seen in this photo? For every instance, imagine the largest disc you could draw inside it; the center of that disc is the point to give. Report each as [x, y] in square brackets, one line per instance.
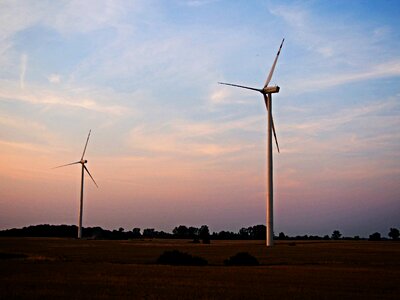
[271, 89]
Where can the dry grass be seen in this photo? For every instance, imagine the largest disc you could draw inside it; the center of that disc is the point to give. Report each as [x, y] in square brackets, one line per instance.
[73, 269]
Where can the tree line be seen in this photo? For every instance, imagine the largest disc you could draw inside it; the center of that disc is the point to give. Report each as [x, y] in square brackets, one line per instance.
[197, 234]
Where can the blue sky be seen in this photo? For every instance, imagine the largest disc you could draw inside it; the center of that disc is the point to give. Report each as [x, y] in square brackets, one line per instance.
[169, 145]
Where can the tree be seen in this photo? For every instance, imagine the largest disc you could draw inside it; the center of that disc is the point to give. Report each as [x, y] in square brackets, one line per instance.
[375, 236]
[258, 232]
[244, 233]
[282, 236]
[336, 235]
[394, 233]
[204, 234]
[149, 232]
[181, 231]
[193, 232]
[136, 232]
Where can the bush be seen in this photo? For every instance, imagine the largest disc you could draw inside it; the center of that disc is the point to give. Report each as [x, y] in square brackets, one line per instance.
[241, 259]
[177, 258]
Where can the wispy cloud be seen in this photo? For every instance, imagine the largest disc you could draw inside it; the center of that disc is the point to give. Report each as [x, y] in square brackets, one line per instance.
[24, 146]
[20, 123]
[88, 16]
[24, 61]
[189, 138]
[54, 78]
[14, 18]
[42, 96]
[223, 95]
[387, 69]
[345, 115]
[359, 130]
[196, 3]
[315, 34]
[362, 53]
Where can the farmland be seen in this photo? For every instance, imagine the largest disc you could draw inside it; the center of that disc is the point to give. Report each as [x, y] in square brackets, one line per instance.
[38, 268]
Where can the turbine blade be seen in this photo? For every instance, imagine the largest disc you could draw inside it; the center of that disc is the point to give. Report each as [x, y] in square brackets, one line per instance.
[273, 66]
[90, 175]
[84, 150]
[272, 121]
[78, 162]
[276, 140]
[241, 86]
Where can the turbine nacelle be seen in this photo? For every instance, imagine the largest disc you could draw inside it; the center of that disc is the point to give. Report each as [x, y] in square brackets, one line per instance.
[83, 161]
[271, 89]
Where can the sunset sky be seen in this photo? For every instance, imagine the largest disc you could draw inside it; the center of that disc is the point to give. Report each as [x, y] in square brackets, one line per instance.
[170, 146]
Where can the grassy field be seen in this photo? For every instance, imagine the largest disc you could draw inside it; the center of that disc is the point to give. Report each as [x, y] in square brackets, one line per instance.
[37, 268]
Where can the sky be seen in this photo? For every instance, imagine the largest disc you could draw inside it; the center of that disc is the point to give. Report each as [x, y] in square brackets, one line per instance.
[170, 146]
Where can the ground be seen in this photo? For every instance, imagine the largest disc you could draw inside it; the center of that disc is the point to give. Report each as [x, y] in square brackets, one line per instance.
[40, 268]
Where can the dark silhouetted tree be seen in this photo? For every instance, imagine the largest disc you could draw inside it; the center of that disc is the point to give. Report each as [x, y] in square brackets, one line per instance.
[336, 235]
[375, 236]
[193, 232]
[136, 233]
[258, 232]
[149, 233]
[282, 236]
[224, 235]
[184, 232]
[244, 233]
[394, 233]
[181, 231]
[204, 234]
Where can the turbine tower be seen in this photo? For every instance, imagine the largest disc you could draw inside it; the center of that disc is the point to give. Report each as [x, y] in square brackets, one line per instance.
[82, 162]
[267, 92]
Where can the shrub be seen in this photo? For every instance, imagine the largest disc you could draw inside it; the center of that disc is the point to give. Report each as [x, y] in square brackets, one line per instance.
[178, 258]
[241, 259]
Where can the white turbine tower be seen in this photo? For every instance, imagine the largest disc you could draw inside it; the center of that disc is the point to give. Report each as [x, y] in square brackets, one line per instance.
[82, 162]
[267, 92]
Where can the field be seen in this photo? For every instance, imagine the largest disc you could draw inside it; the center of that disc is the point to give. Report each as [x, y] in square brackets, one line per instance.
[37, 268]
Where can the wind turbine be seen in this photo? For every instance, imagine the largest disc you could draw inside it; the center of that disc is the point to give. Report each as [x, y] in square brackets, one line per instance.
[82, 162]
[267, 92]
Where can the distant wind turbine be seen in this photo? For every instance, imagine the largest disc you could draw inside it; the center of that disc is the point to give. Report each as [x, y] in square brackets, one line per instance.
[267, 92]
[82, 162]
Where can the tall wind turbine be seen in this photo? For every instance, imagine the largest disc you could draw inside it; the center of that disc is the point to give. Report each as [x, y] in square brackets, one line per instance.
[82, 162]
[267, 92]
